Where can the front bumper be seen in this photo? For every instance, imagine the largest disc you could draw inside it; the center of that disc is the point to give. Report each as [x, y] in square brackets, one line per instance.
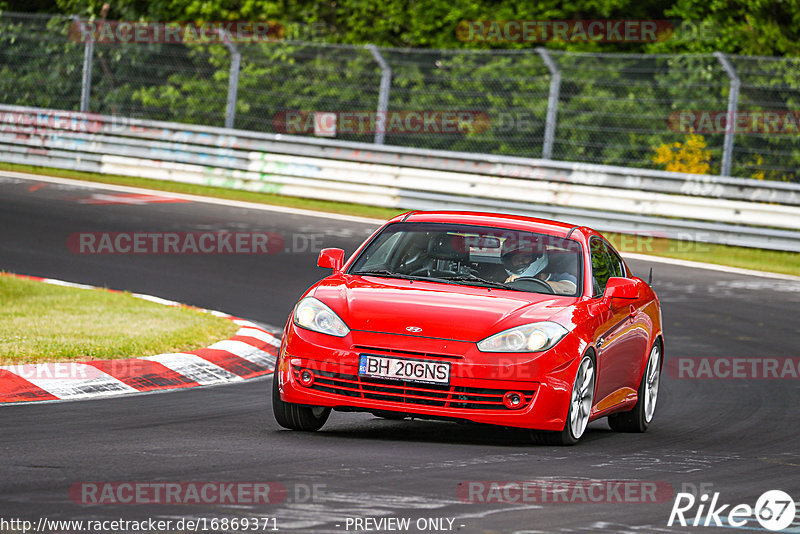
[478, 381]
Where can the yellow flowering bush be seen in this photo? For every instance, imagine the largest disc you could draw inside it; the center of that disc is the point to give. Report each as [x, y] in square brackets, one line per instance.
[692, 156]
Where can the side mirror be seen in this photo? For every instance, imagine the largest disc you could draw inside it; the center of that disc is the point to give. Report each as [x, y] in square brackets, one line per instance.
[331, 258]
[622, 288]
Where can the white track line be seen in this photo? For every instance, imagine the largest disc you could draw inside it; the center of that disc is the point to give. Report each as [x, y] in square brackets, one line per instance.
[54, 282]
[350, 218]
[192, 198]
[157, 300]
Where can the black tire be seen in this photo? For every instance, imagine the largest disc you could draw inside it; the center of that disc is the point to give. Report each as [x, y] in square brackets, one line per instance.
[296, 416]
[541, 437]
[566, 436]
[636, 420]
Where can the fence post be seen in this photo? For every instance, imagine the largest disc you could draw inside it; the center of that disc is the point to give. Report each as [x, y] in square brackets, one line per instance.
[86, 79]
[233, 79]
[733, 104]
[383, 95]
[552, 103]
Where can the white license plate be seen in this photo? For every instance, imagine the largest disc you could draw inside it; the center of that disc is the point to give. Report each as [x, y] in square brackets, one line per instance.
[402, 369]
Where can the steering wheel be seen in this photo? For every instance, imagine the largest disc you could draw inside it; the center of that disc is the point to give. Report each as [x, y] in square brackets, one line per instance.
[547, 287]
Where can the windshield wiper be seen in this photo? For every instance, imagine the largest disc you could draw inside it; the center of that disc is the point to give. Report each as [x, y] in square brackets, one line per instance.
[445, 279]
[386, 272]
[478, 279]
[392, 274]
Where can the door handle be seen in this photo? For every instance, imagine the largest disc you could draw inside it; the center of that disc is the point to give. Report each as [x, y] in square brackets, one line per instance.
[633, 311]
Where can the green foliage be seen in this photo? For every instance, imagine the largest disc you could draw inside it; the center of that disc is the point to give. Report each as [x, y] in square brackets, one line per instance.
[750, 27]
[28, 74]
[747, 27]
[613, 109]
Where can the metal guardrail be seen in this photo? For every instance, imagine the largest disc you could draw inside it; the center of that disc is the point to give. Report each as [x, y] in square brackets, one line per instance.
[699, 208]
[606, 108]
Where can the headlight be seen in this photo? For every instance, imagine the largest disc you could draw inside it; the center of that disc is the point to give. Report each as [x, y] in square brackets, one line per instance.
[314, 315]
[533, 337]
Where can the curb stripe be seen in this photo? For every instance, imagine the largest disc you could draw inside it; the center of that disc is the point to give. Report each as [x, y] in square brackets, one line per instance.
[194, 367]
[73, 388]
[14, 388]
[250, 353]
[258, 334]
[245, 323]
[269, 349]
[143, 375]
[232, 363]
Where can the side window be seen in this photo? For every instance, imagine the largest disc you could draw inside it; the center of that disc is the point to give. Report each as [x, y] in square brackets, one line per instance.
[617, 267]
[600, 274]
[379, 251]
[605, 264]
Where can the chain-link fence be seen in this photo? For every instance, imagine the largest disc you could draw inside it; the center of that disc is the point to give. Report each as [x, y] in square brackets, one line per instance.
[652, 111]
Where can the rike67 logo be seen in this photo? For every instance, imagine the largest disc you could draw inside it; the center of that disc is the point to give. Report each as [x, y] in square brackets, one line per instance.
[774, 510]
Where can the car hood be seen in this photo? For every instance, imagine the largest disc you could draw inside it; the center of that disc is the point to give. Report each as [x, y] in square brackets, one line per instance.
[446, 311]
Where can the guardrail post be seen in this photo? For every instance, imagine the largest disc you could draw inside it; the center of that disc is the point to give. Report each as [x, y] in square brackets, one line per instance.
[552, 103]
[383, 94]
[86, 79]
[233, 79]
[733, 104]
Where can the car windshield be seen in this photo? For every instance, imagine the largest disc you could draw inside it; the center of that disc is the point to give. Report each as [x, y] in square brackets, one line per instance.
[474, 255]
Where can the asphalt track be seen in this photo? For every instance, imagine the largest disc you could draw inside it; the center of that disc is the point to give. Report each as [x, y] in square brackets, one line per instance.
[736, 437]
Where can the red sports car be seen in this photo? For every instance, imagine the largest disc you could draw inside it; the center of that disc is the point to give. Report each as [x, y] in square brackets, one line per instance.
[481, 317]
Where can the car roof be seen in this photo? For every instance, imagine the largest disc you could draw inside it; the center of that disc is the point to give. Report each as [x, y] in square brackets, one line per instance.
[497, 220]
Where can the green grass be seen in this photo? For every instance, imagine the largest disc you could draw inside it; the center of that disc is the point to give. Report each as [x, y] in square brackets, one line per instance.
[742, 257]
[46, 323]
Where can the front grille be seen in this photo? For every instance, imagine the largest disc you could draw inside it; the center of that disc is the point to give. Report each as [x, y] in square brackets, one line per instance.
[455, 397]
[364, 348]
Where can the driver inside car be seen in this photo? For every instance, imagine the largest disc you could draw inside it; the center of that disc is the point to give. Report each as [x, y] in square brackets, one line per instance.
[530, 260]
